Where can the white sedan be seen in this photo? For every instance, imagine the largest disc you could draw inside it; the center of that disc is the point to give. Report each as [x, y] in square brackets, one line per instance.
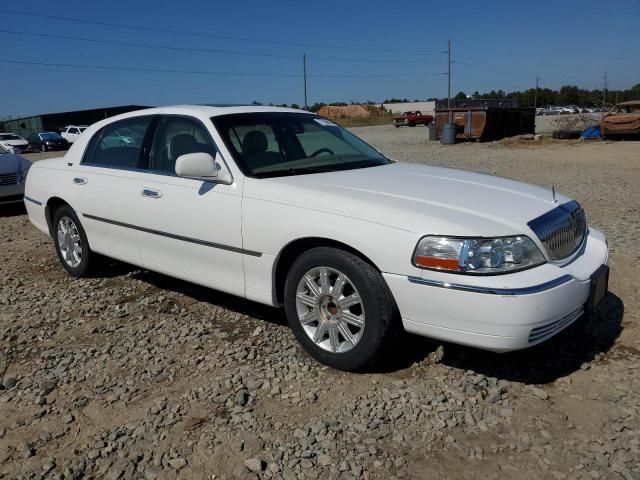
[286, 208]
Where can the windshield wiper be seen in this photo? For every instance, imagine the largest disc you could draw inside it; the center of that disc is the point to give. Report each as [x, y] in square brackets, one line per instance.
[293, 171]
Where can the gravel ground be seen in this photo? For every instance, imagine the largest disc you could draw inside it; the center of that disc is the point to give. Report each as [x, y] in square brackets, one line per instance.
[132, 374]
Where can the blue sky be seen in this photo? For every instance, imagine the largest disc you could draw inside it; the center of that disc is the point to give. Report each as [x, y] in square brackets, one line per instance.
[379, 49]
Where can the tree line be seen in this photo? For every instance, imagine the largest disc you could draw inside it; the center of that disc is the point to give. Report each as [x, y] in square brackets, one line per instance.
[566, 95]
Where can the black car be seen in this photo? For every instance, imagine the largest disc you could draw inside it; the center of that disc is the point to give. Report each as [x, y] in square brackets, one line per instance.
[46, 141]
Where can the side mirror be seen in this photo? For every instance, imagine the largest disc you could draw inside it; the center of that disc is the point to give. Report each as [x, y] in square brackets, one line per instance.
[202, 166]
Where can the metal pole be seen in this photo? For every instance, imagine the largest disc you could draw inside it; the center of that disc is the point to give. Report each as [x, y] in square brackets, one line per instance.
[604, 90]
[535, 95]
[304, 69]
[449, 80]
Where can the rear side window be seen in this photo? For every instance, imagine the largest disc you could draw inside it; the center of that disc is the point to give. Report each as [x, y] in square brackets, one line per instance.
[119, 145]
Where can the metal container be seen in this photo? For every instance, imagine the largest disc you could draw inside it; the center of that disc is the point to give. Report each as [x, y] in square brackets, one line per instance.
[433, 132]
[487, 123]
[448, 136]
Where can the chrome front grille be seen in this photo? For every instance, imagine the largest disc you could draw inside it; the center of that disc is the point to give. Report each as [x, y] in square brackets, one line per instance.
[8, 179]
[561, 230]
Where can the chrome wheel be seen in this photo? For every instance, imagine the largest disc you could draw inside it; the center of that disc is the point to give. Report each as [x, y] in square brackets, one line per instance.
[330, 309]
[69, 242]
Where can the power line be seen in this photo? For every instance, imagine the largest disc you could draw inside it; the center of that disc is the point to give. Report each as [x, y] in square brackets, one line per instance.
[210, 35]
[205, 50]
[210, 72]
[503, 69]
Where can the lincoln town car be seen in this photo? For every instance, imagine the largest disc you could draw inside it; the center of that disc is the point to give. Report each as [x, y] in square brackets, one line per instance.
[286, 208]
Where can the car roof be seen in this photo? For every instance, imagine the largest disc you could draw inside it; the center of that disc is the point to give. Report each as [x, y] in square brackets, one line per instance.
[209, 110]
[199, 111]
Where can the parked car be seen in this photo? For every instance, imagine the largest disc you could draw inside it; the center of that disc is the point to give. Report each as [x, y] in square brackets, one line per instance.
[286, 208]
[623, 119]
[412, 118]
[11, 140]
[71, 132]
[46, 141]
[13, 173]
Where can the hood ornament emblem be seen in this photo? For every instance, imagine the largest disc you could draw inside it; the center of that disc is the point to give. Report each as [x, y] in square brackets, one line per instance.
[553, 192]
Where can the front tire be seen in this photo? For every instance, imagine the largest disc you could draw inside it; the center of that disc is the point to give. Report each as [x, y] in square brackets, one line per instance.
[339, 308]
[71, 242]
[43, 147]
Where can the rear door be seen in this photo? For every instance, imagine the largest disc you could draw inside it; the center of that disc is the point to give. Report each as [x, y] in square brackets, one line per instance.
[106, 185]
[191, 229]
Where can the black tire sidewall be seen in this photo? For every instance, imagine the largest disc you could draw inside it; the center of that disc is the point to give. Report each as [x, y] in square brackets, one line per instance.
[83, 268]
[376, 303]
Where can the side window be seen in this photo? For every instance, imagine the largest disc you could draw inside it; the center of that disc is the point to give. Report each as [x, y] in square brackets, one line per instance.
[119, 144]
[73, 131]
[177, 136]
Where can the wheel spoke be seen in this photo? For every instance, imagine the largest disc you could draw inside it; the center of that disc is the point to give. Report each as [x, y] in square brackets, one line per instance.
[306, 300]
[333, 339]
[352, 319]
[346, 302]
[314, 290]
[325, 287]
[310, 317]
[336, 291]
[346, 333]
[324, 300]
[318, 335]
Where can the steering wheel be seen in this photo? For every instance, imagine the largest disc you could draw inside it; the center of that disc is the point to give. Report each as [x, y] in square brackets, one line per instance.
[322, 150]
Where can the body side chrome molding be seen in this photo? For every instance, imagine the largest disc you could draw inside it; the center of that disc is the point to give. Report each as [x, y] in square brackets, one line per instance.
[33, 200]
[174, 236]
[494, 291]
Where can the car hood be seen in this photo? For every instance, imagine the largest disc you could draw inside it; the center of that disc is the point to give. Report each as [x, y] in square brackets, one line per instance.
[14, 142]
[416, 198]
[10, 163]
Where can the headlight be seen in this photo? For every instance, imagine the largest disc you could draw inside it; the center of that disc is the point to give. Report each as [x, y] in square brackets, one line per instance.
[477, 256]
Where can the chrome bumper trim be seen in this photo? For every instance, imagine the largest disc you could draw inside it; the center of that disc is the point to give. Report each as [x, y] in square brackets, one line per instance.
[494, 291]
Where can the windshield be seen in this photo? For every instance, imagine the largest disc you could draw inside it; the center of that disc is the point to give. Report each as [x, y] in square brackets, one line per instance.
[9, 136]
[3, 150]
[50, 136]
[274, 144]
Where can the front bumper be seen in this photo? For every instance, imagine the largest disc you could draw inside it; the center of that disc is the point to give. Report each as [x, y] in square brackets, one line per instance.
[503, 312]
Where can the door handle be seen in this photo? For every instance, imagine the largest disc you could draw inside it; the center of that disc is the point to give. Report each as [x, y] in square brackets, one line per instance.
[151, 193]
[80, 181]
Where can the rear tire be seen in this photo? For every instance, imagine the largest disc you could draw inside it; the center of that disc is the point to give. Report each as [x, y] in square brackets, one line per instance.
[340, 308]
[71, 242]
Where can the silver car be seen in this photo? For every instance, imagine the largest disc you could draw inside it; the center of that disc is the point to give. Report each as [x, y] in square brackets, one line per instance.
[13, 173]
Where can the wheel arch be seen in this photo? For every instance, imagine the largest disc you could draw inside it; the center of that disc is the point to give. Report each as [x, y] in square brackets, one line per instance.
[297, 247]
[49, 211]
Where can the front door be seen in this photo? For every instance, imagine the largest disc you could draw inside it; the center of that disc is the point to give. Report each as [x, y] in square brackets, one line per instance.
[191, 229]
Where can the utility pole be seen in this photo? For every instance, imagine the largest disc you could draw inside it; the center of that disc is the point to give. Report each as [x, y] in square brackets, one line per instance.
[304, 72]
[449, 80]
[604, 90]
[535, 95]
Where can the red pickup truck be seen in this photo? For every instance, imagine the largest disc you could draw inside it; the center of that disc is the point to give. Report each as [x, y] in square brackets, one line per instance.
[412, 119]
